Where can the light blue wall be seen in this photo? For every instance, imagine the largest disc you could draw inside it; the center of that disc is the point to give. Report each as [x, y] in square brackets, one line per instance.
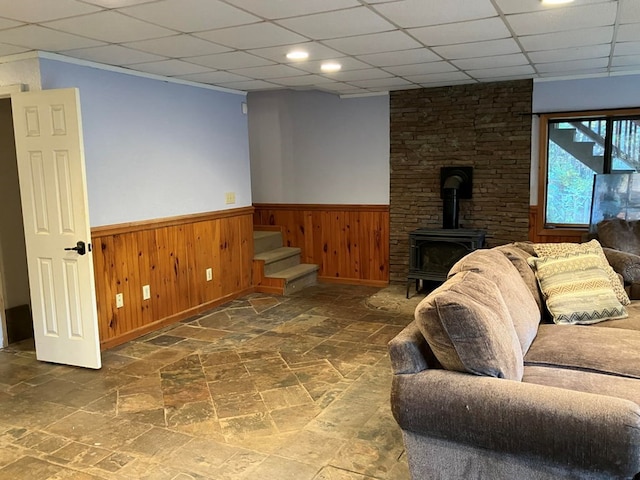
[315, 147]
[155, 149]
[586, 94]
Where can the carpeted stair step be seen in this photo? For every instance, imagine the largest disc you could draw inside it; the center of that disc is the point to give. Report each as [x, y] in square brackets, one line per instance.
[279, 259]
[298, 277]
[264, 241]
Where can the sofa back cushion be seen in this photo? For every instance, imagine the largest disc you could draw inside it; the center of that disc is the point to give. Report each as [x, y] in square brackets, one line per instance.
[523, 310]
[469, 329]
[518, 258]
[620, 234]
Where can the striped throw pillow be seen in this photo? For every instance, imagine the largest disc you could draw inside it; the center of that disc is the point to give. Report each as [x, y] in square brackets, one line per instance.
[576, 288]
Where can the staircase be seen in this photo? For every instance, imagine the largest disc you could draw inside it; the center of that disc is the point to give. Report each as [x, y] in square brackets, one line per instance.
[565, 138]
[277, 269]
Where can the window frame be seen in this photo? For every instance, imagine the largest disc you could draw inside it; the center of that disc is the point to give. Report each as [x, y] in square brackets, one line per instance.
[555, 230]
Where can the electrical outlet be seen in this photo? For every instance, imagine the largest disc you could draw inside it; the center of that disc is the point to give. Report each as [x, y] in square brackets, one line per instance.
[119, 300]
[209, 273]
[146, 292]
[230, 198]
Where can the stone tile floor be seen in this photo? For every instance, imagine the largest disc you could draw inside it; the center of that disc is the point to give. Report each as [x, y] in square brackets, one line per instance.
[264, 387]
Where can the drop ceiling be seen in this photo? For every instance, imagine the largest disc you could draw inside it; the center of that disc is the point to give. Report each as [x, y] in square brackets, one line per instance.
[381, 45]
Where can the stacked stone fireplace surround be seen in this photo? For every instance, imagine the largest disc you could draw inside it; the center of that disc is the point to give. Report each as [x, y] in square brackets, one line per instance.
[486, 126]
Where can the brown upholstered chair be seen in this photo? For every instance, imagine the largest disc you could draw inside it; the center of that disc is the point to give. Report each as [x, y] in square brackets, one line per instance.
[620, 240]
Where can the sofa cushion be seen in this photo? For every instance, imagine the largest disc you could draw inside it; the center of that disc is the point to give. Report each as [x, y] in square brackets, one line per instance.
[576, 288]
[523, 310]
[590, 348]
[468, 327]
[554, 249]
[632, 322]
[581, 381]
[620, 234]
[518, 258]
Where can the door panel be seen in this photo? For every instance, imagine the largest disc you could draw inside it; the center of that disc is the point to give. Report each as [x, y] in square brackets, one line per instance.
[51, 170]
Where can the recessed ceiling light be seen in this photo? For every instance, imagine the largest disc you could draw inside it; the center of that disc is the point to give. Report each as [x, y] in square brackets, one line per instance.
[297, 55]
[555, 2]
[330, 67]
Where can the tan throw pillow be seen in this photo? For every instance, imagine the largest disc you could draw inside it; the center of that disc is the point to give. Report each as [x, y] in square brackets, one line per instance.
[468, 327]
[593, 246]
[576, 288]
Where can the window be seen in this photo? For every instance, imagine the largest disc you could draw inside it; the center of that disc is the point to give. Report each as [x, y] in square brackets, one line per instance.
[575, 148]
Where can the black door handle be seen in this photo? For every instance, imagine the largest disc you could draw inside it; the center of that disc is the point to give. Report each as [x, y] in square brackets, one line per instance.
[80, 247]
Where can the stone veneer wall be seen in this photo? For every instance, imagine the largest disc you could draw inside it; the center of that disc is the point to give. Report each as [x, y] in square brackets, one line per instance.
[487, 126]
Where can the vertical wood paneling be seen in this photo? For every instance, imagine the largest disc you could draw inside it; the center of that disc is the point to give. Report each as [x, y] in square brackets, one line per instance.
[170, 256]
[350, 243]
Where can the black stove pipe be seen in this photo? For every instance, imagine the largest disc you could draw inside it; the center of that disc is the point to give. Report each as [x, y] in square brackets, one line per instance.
[451, 206]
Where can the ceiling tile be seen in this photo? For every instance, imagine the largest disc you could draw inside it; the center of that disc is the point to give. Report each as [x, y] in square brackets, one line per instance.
[440, 77]
[34, 11]
[316, 51]
[191, 15]
[11, 50]
[627, 48]
[551, 41]
[404, 57]
[355, 21]
[566, 54]
[170, 68]
[4, 23]
[40, 38]
[117, 3]
[417, 13]
[626, 60]
[573, 65]
[628, 33]
[593, 72]
[491, 62]
[627, 70]
[269, 71]
[374, 43]
[521, 71]
[113, 55]
[629, 11]
[110, 26]
[421, 68]
[251, 85]
[382, 82]
[478, 49]
[351, 75]
[447, 83]
[522, 6]
[224, 61]
[178, 46]
[562, 19]
[302, 80]
[347, 63]
[253, 36]
[291, 8]
[215, 77]
[473, 31]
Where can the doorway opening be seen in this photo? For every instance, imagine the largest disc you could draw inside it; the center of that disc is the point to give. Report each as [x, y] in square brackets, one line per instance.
[15, 301]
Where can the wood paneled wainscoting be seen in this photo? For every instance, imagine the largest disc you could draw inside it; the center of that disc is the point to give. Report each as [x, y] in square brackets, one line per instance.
[350, 243]
[170, 255]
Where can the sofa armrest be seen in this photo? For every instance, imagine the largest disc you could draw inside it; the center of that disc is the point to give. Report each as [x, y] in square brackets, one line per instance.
[624, 263]
[570, 428]
[409, 350]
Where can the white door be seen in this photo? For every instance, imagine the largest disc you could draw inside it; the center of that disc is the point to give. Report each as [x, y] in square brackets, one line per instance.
[53, 190]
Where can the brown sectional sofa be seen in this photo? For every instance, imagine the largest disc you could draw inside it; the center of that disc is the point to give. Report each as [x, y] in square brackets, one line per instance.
[519, 398]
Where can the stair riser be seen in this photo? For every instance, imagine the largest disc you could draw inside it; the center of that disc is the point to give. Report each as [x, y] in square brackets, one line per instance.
[282, 264]
[301, 282]
[264, 244]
